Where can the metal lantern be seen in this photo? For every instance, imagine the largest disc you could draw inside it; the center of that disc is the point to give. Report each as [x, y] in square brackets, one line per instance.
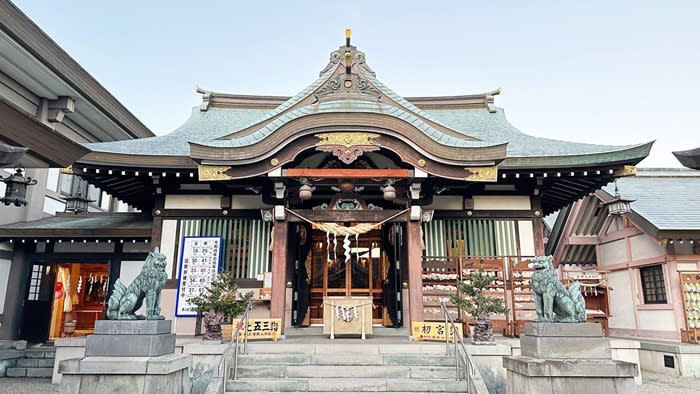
[618, 205]
[77, 203]
[16, 191]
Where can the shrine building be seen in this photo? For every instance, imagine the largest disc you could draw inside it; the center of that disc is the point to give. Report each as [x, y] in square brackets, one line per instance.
[346, 189]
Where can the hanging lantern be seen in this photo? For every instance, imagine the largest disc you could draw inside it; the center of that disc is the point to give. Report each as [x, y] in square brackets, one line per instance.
[77, 203]
[618, 205]
[58, 290]
[16, 190]
[389, 190]
[305, 190]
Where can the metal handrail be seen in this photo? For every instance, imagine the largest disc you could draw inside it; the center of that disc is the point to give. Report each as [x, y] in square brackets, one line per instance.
[469, 362]
[234, 339]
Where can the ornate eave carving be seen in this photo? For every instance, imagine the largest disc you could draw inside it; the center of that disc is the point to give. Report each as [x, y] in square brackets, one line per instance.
[213, 173]
[482, 174]
[347, 146]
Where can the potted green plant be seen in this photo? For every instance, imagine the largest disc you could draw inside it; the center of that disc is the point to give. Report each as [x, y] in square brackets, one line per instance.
[472, 298]
[223, 299]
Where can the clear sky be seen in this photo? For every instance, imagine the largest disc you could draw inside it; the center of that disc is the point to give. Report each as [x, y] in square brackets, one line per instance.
[609, 72]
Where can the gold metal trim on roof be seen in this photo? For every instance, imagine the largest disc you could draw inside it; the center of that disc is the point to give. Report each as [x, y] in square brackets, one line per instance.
[346, 139]
[482, 174]
[213, 173]
[67, 170]
[629, 170]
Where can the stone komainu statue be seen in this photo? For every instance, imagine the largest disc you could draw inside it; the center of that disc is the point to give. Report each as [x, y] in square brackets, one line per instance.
[125, 301]
[552, 298]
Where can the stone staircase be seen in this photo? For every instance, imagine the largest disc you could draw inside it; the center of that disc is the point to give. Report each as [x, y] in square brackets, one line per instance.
[37, 362]
[312, 363]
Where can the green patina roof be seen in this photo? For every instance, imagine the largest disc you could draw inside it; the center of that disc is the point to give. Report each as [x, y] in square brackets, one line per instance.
[667, 199]
[215, 127]
[94, 225]
[484, 125]
[351, 106]
[201, 127]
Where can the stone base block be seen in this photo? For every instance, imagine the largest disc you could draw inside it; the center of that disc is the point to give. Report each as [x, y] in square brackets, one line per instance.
[130, 345]
[133, 327]
[573, 376]
[565, 347]
[563, 329]
[162, 374]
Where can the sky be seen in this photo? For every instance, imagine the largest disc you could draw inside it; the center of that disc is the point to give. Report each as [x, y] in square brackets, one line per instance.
[607, 72]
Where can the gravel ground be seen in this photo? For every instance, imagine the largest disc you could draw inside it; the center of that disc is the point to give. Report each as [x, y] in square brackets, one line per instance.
[27, 386]
[654, 383]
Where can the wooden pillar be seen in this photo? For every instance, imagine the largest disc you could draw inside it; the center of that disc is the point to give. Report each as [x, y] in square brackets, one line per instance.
[538, 226]
[157, 230]
[279, 269]
[415, 271]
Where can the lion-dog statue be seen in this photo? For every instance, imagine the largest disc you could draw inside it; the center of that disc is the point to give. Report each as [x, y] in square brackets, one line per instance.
[125, 301]
[552, 298]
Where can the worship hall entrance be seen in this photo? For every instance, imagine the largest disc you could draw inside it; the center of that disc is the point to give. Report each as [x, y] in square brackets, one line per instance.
[367, 265]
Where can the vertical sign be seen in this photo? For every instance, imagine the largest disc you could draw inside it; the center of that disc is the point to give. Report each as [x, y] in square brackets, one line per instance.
[199, 264]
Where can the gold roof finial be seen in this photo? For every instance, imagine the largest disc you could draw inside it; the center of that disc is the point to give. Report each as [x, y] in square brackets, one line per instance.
[348, 33]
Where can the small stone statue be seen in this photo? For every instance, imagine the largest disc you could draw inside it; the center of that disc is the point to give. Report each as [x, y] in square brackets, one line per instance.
[124, 302]
[212, 325]
[552, 298]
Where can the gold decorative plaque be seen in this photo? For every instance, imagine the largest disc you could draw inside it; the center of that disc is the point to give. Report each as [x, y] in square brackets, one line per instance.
[629, 170]
[274, 162]
[213, 173]
[347, 146]
[482, 174]
[67, 170]
[421, 163]
[346, 139]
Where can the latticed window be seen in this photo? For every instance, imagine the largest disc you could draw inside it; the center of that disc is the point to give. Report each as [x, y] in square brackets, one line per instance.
[470, 237]
[653, 286]
[245, 243]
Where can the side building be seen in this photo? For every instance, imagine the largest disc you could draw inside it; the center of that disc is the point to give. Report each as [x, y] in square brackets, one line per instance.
[49, 106]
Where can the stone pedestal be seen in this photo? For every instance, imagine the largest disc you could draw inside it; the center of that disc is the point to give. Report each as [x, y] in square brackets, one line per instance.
[567, 357]
[134, 356]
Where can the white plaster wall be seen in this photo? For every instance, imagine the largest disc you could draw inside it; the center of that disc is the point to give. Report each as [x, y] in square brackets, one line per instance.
[168, 243]
[644, 247]
[527, 238]
[247, 202]
[192, 201]
[612, 253]
[502, 202]
[446, 202]
[4, 278]
[51, 206]
[657, 320]
[80, 247]
[687, 266]
[621, 301]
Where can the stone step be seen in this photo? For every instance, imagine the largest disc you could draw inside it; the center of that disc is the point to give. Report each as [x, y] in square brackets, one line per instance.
[35, 362]
[345, 359]
[41, 352]
[346, 385]
[20, 372]
[345, 348]
[318, 331]
[346, 371]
